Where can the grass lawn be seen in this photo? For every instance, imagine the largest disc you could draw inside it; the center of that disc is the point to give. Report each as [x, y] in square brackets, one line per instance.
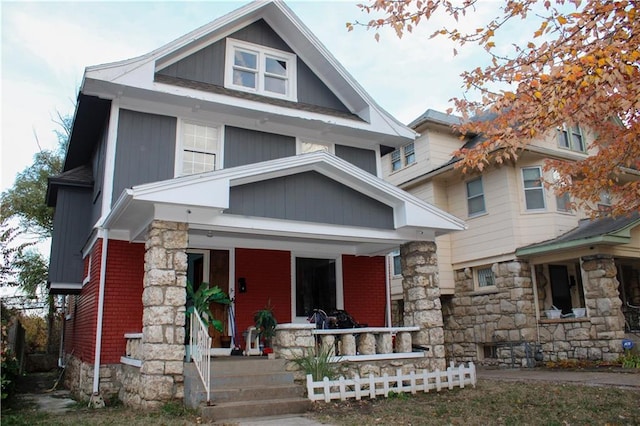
[490, 403]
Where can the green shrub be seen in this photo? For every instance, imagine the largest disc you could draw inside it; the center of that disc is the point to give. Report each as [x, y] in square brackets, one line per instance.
[630, 360]
[318, 363]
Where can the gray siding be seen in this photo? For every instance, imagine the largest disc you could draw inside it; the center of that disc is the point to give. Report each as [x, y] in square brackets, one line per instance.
[97, 166]
[363, 158]
[242, 146]
[207, 66]
[145, 150]
[309, 197]
[71, 229]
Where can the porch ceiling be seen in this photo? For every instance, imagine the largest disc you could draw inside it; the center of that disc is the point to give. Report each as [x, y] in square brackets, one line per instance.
[201, 201]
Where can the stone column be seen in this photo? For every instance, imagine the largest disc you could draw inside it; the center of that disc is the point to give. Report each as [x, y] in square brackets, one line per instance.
[163, 319]
[603, 304]
[422, 299]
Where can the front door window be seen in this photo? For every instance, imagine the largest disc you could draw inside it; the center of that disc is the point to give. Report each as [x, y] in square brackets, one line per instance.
[315, 285]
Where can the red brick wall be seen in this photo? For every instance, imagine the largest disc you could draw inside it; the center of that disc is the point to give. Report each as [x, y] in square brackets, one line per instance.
[122, 298]
[365, 289]
[80, 330]
[268, 277]
[122, 303]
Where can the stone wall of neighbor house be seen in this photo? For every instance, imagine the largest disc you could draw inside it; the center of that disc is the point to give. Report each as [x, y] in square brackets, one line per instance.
[499, 326]
[500, 319]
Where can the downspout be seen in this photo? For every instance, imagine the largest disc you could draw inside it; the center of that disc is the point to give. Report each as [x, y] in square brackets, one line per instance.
[387, 290]
[64, 325]
[103, 273]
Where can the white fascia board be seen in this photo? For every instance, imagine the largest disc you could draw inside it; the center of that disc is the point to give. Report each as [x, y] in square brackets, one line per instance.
[210, 193]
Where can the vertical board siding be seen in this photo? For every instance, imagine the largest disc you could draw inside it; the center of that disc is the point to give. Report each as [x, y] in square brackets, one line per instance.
[207, 66]
[309, 197]
[268, 277]
[364, 288]
[363, 158]
[122, 297]
[98, 162]
[243, 146]
[71, 229]
[145, 150]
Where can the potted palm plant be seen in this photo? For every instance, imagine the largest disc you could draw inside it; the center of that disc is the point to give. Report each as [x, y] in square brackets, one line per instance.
[265, 322]
[200, 300]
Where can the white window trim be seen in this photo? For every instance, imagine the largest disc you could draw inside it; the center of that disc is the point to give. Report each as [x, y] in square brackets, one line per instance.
[524, 190]
[261, 51]
[179, 153]
[568, 130]
[339, 283]
[87, 278]
[393, 255]
[300, 141]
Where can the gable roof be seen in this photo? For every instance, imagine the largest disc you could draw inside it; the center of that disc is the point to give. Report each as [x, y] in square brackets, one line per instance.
[136, 76]
[414, 219]
[607, 231]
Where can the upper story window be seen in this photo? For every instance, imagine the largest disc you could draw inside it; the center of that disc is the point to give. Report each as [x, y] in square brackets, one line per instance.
[533, 190]
[475, 197]
[570, 137]
[403, 157]
[199, 148]
[563, 202]
[484, 277]
[259, 69]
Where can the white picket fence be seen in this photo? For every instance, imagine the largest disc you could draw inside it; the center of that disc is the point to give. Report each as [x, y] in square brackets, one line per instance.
[372, 386]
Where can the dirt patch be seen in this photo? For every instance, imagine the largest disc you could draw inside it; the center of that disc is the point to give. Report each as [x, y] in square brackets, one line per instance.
[37, 382]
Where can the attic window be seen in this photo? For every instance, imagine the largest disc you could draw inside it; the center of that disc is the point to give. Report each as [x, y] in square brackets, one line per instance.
[261, 70]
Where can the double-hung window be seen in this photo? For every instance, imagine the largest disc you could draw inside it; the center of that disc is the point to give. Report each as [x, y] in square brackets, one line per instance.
[260, 69]
[200, 146]
[533, 190]
[563, 202]
[397, 263]
[475, 197]
[403, 157]
[570, 137]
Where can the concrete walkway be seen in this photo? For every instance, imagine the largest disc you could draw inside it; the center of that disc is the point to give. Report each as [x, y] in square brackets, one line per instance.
[579, 377]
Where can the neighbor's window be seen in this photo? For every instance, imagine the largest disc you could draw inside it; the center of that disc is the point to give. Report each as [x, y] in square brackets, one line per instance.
[484, 277]
[403, 157]
[259, 69]
[199, 148]
[397, 265]
[571, 137]
[475, 197]
[563, 202]
[533, 191]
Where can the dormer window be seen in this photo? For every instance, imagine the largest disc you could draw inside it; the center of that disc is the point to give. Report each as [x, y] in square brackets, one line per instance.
[261, 70]
[403, 157]
[570, 137]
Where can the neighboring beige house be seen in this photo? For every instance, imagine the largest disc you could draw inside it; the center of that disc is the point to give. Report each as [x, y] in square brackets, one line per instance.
[524, 251]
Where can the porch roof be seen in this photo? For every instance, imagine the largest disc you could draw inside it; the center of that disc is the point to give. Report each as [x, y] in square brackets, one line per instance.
[201, 200]
[603, 231]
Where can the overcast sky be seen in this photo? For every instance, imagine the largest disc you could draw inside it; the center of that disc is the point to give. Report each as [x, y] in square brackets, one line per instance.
[47, 45]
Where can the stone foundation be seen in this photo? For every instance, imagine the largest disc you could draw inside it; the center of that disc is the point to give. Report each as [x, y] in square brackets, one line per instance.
[78, 378]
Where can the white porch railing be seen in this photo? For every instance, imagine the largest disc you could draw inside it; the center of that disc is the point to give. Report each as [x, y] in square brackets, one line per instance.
[369, 343]
[374, 386]
[200, 343]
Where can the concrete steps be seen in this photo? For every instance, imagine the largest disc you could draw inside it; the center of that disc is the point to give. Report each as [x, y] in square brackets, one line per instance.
[245, 387]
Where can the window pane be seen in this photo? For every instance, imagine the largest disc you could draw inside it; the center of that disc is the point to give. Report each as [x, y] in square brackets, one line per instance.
[485, 277]
[275, 85]
[396, 162]
[244, 78]
[534, 199]
[563, 203]
[476, 205]
[531, 178]
[397, 265]
[474, 187]
[276, 66]
[246, 59]
[563, 140]
[409, 154]
[315, 285]
[577, 140]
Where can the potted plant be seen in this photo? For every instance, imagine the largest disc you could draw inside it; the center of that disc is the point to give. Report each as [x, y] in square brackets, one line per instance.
[201, 299]
[265, 322]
